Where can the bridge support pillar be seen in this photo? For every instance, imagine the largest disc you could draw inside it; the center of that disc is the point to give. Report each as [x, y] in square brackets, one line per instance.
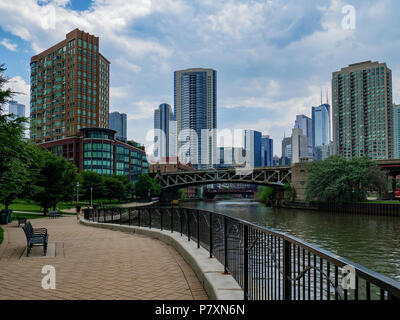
[168, 195]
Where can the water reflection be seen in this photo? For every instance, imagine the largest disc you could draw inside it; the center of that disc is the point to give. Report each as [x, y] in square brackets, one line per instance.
[371, 241]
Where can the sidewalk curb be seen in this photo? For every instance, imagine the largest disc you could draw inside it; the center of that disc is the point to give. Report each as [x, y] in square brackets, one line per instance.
[209, 271]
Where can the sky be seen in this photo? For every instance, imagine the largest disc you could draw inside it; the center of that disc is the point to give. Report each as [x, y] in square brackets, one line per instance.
[272, 57]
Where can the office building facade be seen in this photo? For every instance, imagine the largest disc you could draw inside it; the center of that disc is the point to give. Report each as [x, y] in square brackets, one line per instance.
[69, 88]
[195, 109]
[252, 145]
[299, 145]
[363, 111]
[163, 137]
[267, 151]
[396, 134]
[286, 151]
[98, 150]
[118, 122]
[321, 131]
[305, 124]
[17, 109]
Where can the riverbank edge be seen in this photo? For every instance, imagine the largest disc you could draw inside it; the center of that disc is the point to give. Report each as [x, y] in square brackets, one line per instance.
[209, 271]
[374, 209]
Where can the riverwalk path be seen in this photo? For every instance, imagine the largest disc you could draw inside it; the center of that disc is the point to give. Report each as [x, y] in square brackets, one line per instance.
[94, 263]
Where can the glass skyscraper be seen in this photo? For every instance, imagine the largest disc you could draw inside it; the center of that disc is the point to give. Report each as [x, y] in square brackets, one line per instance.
[252, 145]
[396, 117]
[363, 111]
[195, 108]
[118, 123]
[267, 151]
[305, 124]
[321, 129]
[163, 121]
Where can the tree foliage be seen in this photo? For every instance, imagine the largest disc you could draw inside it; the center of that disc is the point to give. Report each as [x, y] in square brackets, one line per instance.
[146, 186]
[265, 194]
[339, 180]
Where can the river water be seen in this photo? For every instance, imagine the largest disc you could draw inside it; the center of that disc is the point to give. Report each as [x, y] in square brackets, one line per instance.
[371, 241]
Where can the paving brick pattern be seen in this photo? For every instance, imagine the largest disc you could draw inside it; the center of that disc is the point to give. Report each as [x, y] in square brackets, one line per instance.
[95, 263]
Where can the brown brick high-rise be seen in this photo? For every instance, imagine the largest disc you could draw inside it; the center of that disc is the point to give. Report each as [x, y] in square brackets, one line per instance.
[69, 88]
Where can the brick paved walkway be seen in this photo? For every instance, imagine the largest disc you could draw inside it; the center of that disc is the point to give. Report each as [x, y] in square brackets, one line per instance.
[94, 263]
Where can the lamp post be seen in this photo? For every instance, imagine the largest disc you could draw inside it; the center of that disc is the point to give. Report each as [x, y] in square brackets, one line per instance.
[91, 196]
[77, 201]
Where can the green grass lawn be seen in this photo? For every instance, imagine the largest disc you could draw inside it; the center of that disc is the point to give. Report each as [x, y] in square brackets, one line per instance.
[383, 201]
[27, 216]
[1, 235]
[29, 206]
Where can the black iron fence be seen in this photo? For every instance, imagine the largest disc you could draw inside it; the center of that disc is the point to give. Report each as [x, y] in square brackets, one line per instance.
[268, 265]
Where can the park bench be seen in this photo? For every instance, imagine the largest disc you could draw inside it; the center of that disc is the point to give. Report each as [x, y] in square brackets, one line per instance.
[54, 214]
[35, 237]
[21, 220]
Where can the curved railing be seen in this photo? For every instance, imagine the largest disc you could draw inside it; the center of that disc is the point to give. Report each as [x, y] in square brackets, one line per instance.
[267, 264]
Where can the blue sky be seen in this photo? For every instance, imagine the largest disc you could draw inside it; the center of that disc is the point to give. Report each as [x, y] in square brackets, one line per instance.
[271, 56]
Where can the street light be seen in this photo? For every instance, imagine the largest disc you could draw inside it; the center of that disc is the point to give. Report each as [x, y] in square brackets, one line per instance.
[91, 196]
[77, 200]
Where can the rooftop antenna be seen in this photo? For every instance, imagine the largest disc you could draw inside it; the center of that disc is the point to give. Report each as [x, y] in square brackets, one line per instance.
[321, 95]
[327, 98]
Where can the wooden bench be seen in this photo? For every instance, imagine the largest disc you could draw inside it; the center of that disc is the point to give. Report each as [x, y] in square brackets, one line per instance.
[35, 237]
[21, 220]
[54, 214]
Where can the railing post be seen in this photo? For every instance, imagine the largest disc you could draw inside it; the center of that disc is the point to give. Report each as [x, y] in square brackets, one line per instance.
[225, 245]
[211, 237]
[120, 216]
[188, 223]
[161, 218]
[112, 215]
[139, 210]
[172, 220]
[286, 270]
[246, 261]
[129, 216]
[104, 215]
[181, 220]
[150, 218]
[198, 229]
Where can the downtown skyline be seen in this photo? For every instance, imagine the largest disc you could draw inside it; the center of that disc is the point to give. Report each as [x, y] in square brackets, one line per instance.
[261, 86]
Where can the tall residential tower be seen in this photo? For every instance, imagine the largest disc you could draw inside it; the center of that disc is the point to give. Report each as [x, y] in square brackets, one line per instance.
[195, 108]
[69, 88]
[363, 111]
[118, 122]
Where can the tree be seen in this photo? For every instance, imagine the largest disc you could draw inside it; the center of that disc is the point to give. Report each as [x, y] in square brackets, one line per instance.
[12, 149]
[146, 186]
[56, 181]
[265, 194]
[339, 180]
[90, 179]
[290, 192]
[114, 188]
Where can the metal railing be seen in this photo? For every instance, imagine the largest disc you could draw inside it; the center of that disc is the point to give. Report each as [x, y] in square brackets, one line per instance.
[268, 265]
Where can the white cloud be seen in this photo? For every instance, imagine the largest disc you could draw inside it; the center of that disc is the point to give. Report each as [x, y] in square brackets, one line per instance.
[22, 91]
[8, 44]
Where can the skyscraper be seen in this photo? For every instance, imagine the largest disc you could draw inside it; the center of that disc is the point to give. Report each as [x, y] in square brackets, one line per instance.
[195, 108]
[299, 145]
[16, 108]
[321, 128]
[69, 88]
[396, 138]
[267, 151]
[286, 151]
[363, 111]
[305, 124]
[252, 145]
[118, 122]
[163, 119]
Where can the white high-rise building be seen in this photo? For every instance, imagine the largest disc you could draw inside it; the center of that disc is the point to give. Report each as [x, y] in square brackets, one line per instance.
[299, 145]
[396, 136]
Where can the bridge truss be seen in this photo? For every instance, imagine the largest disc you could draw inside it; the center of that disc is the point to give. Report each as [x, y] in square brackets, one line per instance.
[274, 176]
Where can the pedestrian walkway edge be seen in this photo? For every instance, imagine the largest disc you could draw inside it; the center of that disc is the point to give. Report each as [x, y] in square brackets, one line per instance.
[209, 271]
